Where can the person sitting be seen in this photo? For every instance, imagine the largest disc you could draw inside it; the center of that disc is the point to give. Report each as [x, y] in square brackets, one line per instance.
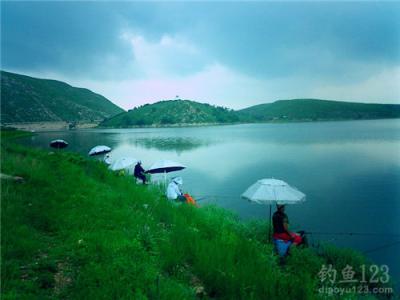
[280, 223]
[139, 172]
[107, 159]
[174, 191]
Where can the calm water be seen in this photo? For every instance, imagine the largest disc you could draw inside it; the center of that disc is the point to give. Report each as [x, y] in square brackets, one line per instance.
[350, 171]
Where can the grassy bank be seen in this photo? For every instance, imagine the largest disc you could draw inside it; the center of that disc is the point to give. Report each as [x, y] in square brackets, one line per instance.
[75, 230]
[7, 134]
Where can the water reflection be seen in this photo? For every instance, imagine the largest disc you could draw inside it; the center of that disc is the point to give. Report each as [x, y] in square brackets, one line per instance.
[177, 144]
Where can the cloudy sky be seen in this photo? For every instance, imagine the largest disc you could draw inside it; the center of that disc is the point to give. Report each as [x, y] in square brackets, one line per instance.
[234, 54]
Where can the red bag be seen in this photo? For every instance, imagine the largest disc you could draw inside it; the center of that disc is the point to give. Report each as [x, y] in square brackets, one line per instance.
[190, 200]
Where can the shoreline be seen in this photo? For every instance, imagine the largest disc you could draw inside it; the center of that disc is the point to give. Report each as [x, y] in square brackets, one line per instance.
[50, 126]
[62, 125]
[241, 123]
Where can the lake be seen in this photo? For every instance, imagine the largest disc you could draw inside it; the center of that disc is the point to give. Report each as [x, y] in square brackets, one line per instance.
[350, 172]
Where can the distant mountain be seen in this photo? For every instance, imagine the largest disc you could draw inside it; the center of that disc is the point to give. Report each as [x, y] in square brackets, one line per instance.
[317, 110]
[181, 112]
[171, 112]
[28, 99]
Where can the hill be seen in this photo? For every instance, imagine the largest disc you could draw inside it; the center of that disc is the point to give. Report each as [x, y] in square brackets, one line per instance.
[170, 112]
[184, 112]
[317, 110]
[28, 99]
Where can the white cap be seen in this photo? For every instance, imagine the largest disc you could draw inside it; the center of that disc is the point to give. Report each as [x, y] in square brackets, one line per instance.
[177, 180]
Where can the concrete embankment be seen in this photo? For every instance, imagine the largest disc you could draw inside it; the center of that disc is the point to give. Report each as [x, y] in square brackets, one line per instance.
[48, 126]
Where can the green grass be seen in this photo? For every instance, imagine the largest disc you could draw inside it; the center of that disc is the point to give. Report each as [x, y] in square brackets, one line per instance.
[75, 230]
[11, 133]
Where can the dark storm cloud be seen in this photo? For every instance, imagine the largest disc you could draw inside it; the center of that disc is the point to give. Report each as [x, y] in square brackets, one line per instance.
[260, 39]
[74, 38]
[244, 50]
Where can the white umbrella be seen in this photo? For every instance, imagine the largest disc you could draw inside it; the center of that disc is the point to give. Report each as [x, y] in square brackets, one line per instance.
[165, 166]
[99, 150]
[270, 191]
[124, 163]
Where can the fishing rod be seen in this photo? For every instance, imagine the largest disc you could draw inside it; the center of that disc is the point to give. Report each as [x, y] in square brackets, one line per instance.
[200, 199]
[218, 196]
[211, 197]
[354, 233]
[382, 247]
[385, 246]
[357, 203]
[392, 235]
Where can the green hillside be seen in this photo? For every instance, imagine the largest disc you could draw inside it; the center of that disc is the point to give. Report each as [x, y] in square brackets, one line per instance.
[316, 110]
[179, 112]
[27, 99]
[171, 112]
[72, 229]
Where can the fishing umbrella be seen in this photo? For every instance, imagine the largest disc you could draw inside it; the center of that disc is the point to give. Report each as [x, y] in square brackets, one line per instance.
[59, 144]
[165, 166]
[101, 149]
[273, 191]
[124, 163]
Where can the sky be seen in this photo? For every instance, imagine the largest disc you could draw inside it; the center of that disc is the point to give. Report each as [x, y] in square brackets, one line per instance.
[233, 54]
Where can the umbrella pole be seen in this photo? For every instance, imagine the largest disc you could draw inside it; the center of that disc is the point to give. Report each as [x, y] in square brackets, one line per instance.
[270, 223]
